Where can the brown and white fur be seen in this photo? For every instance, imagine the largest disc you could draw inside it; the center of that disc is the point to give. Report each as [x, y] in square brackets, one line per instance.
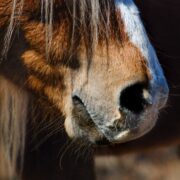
[88, 62]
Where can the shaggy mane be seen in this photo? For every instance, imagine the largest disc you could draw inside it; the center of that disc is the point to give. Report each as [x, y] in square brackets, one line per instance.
[90, 15]
[94, 19]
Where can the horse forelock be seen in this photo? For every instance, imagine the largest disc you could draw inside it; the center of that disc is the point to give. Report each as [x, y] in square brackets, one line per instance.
[94, 20]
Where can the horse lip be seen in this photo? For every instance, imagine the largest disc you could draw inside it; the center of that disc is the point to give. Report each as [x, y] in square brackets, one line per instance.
[123, 135]
[77, 101]
[129, 135]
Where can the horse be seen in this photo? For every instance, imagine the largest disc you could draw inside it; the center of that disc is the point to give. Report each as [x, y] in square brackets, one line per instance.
[79, 70]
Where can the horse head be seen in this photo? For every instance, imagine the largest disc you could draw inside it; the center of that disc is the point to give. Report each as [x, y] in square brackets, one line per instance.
[94, 63]
[90, 62]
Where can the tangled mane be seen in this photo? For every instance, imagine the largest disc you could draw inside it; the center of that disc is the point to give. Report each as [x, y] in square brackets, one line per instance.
[89, 14]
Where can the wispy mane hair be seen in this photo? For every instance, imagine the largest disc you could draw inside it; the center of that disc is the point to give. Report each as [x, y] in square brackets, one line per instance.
[13, 100]
[96, 11]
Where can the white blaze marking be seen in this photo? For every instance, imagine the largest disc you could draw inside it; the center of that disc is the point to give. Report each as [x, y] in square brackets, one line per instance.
[138, 36]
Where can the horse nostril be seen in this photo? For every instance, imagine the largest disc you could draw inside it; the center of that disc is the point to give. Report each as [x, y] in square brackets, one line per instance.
[134, 98]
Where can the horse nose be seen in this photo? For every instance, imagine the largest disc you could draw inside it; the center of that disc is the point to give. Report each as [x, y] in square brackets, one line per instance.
[135, 98]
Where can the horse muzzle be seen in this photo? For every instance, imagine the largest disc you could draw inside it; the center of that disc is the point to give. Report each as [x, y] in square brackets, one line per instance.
[136, 114]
